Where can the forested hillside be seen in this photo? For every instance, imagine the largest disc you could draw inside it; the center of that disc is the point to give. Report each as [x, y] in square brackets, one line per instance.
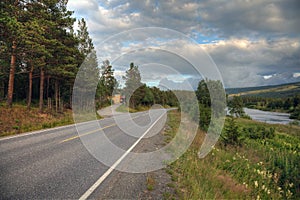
[272, 91]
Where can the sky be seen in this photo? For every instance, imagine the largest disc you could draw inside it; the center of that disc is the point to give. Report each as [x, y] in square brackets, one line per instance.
[250, 42]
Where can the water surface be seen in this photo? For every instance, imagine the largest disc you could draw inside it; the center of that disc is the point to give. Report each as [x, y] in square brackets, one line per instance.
[268, 117]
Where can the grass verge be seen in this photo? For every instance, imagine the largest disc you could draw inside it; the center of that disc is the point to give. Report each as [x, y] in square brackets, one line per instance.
[19, 120]
[260, 169]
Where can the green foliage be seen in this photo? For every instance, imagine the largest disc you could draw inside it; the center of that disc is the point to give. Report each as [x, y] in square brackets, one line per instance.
[106, 85]
[210, 107]
[236, 107]
[296, 113]
[231, 134]
[133, 82]
[259, 132]
[44, 39]
[148, 97]
[139, 94]
[260, 169]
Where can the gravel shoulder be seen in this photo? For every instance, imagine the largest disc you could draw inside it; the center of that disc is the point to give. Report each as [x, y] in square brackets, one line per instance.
[151, 185]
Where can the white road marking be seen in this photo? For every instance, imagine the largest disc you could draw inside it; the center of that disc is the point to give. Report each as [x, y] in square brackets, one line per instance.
[110, 170]
[44, 130]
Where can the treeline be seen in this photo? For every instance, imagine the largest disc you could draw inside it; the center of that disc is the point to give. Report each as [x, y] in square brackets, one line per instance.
[138, 94]
[290, 104]
[40, 52]
[209, 99]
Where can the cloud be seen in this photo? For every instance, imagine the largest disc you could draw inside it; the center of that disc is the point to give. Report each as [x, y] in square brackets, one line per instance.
[239, 18]
[248, 40]
[245, 62]
[296, 75]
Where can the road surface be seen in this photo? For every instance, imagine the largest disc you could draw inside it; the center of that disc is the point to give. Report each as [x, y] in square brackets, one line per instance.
[54, 164]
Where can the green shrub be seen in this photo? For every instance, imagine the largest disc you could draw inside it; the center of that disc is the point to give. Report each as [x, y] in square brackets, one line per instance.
[259, 132]
[231, 134]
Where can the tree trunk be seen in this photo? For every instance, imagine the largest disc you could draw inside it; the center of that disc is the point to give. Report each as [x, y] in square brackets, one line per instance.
[10, 90]
[70, 97]
[41, 90]
[30, 87]
[48, 84]
[2, 90]
[56, 95]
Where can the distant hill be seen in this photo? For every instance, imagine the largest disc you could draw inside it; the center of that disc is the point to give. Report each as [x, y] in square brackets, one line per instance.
[275, 91]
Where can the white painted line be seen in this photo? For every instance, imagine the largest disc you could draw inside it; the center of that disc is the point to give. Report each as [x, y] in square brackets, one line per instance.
[110, 170]
[44, 130]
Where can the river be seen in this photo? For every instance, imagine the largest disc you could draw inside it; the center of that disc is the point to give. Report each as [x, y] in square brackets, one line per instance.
[268, 117]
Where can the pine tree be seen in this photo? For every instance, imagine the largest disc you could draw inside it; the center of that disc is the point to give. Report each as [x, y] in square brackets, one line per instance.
[236, 107]
[231, 134]
[11, 32]
[85, 45]
[107, 84]
[62, 65]
[133, 82]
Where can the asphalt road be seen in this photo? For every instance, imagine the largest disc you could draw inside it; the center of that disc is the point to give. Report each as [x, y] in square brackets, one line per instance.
[55, 164]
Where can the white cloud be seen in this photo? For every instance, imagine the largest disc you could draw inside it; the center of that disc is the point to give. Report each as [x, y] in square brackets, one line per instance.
[253, 39]
[267, 77]
[255, 57]
[296, 75]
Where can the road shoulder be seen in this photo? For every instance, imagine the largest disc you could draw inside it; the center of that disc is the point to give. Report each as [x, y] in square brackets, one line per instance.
[152, 185]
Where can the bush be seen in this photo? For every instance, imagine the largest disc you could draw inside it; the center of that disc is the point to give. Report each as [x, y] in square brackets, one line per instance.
[259, 132]
[231, 134]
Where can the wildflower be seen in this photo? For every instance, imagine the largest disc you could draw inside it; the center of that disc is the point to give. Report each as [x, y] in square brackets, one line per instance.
[269, 192]
[289, 194]
[256, 184]
[233, 158]
[269, 175]
[263, 187]
[291, 185]
[258, 197]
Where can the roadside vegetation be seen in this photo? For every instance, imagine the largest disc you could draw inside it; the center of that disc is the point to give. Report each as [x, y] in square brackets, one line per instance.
[19, 119]
[40, 56]
[262, 162]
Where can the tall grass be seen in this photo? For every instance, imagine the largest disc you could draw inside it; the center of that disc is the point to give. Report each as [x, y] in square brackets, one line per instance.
[19, 119]
[259, 169]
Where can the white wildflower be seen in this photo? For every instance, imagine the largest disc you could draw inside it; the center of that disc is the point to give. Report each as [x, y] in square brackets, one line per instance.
[256, 184]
